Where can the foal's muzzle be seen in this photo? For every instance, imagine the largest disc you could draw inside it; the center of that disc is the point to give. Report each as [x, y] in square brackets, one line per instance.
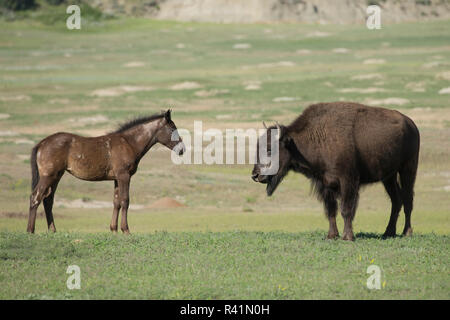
[182, 150]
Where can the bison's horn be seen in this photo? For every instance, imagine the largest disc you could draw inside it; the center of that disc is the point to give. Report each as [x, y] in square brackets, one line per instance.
[278, 131]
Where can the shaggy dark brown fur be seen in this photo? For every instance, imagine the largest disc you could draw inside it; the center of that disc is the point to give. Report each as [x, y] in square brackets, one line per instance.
[341, 146]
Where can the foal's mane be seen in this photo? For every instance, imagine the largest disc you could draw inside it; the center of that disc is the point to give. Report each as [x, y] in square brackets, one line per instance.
[138, 121]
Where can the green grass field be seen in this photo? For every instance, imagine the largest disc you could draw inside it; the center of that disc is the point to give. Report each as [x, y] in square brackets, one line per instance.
[229, 241]
[222, 265]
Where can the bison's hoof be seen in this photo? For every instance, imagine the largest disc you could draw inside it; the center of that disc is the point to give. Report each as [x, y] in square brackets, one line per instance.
[389, 234]
[348, 237]
[333, 236]
[408, 232]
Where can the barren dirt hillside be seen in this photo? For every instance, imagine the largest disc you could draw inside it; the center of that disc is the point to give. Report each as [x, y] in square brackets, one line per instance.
[248, 11]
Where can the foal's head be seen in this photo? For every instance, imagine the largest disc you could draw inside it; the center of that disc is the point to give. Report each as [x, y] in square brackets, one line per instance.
[168, 135]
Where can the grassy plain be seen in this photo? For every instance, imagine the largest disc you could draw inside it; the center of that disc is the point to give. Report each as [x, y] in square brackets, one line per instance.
[230, 240]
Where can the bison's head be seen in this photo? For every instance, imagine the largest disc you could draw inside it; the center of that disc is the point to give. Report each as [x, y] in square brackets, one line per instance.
[272, 158]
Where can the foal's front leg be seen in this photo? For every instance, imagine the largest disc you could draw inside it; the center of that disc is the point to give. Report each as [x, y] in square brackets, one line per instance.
[115, 216]
[124, 195]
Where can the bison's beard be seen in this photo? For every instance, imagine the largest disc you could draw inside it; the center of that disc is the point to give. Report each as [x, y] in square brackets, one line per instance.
[274, 181]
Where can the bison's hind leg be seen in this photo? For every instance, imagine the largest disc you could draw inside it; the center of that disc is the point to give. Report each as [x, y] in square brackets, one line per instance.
[349, 202]
[327, 193]
[393, 190]
[407, 179]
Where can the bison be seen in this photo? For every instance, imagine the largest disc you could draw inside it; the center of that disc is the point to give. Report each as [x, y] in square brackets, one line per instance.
[341, 146]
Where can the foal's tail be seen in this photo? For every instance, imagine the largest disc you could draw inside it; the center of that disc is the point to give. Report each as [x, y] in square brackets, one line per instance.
[34, 168]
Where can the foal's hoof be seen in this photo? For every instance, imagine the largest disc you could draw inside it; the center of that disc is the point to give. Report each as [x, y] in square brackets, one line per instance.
[52, 228]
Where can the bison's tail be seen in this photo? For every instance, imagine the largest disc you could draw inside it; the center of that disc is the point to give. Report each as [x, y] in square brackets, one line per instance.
[408, 172]
[410, 167]
[34, 168]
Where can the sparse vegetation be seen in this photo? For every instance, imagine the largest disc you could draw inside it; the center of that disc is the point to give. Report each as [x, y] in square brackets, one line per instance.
[229, 240]
[225, 265]
[424, 2]
[18, 5]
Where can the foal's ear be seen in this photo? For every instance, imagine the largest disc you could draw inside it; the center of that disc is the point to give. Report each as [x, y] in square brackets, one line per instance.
[167, 115]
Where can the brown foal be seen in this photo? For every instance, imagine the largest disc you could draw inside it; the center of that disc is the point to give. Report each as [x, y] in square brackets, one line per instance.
[114, 156]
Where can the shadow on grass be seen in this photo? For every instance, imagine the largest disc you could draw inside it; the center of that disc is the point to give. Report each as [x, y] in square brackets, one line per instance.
[370, 235]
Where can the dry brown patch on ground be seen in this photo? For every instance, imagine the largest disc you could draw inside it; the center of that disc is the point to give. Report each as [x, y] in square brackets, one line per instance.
[445, 75]
[374, 61]
[318, 34]
[369, 76]
[444, 90]
[66, 109]
[23, 215]
[89, 120]
[44, 129]
[428, 117]
[8, 133]
[166, 202]
[224, 116]
[285, 99]
[252, 85]
[340, 50]
[303, 51]
[90, 204]
[93, 132]
[242, 46]
[118, 91]
[279, 64]
[134, 64]
[416, 86]
[361, 90]
[434, 64]
[59, 101]
[211, 93]
[187, 85]
[20, 97]
[386, 102]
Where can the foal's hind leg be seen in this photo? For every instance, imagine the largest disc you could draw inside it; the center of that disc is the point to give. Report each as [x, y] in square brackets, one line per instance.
[393, 190]
[115, 216]
[48, 204]
[43, 190]
[124, 195]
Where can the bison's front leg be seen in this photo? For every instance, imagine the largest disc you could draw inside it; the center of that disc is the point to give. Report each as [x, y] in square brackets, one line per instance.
[349, 195]
[330, 203]
[331, 209]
